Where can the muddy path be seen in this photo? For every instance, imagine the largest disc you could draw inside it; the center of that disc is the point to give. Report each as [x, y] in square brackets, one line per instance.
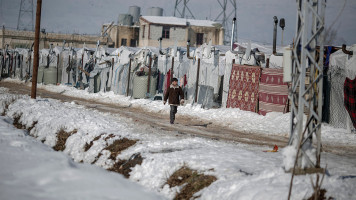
[184, 124]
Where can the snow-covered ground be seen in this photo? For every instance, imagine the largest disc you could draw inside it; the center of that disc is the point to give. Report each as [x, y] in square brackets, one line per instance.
[31, 170]
[242, 171]
[243, 121]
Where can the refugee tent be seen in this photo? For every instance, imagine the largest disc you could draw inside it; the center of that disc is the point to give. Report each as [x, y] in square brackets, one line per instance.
[120, 71]
[145, 73]
[341, 68]
[86, 64]
[99, 76]
[67, 66]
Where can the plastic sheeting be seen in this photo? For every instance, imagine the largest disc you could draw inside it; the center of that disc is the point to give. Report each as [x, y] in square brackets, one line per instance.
[338, 71]
[229, 56]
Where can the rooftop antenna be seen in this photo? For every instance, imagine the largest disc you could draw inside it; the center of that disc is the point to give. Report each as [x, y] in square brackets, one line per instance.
[180, 8]
[25, 19]
[229, 11]
[275, 19]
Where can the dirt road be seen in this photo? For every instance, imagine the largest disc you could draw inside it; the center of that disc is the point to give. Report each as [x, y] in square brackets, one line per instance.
[186, 125]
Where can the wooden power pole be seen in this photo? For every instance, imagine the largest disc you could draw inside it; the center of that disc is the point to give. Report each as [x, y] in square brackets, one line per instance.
[36, 49]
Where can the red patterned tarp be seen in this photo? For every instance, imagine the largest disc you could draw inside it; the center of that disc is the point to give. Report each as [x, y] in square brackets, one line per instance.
[273, 92]
[243, 91]
[350, 98]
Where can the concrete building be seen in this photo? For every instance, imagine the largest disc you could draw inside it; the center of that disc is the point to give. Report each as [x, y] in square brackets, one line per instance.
[121, 35]
[24, 39]
[173, 29]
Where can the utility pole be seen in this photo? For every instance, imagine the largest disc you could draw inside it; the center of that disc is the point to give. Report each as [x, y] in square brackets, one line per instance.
[307, 97]
[36, 49]
[306, 94]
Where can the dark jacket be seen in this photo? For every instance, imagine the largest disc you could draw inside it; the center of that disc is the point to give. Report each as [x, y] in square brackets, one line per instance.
[173, 94]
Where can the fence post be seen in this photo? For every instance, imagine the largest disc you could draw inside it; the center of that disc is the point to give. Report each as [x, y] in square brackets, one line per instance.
[11, 63]
[69, 68]
[172, 68]
[128, 79]
[15, 66]
[57, 69]
[197, 83]
[149, 75]
[21, 63]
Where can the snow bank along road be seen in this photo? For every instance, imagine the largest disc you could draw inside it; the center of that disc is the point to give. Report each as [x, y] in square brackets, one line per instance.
[162, 161]
[190, 124]
[31, 170]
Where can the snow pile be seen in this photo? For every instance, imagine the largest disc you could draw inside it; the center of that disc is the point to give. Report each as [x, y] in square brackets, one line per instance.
[242, 172]
[31, 170]
[289, 153]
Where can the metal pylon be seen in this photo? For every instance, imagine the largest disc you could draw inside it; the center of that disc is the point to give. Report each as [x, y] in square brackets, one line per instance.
[229, 11]
[25, 20]
[307, 97]
[181, 12]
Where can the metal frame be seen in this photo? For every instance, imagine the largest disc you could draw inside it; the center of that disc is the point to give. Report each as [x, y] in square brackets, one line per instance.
[25, 19]
[182, 13]
[229, 11]
[226, 16]
[307, 98]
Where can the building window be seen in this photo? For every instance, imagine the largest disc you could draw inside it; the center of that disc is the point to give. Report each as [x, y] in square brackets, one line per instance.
[165, 32]
[133, 43]
[143, 31]
[123, 42]
[200, 38]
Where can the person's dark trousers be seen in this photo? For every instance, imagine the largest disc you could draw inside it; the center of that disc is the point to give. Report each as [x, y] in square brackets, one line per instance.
[173, 113]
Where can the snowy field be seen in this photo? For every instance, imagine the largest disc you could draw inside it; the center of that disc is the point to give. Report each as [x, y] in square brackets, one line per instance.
[31, 170]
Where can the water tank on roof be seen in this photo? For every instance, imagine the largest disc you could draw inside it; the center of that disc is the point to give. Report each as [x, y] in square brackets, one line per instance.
[135, 12]
[155, 11]
[125, 19]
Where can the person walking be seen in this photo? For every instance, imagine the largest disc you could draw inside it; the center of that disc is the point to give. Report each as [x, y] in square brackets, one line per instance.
[175, 97]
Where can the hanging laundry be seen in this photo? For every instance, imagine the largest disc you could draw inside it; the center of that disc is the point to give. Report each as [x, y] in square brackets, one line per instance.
[273, 92]
[160, 82]
[243, 91]
[350, 98]
[183, 81]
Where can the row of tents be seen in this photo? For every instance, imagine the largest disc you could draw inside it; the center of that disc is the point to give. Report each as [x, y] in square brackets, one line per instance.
[250, 77]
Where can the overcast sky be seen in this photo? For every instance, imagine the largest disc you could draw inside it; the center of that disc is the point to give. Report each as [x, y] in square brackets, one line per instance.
[255, 17]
